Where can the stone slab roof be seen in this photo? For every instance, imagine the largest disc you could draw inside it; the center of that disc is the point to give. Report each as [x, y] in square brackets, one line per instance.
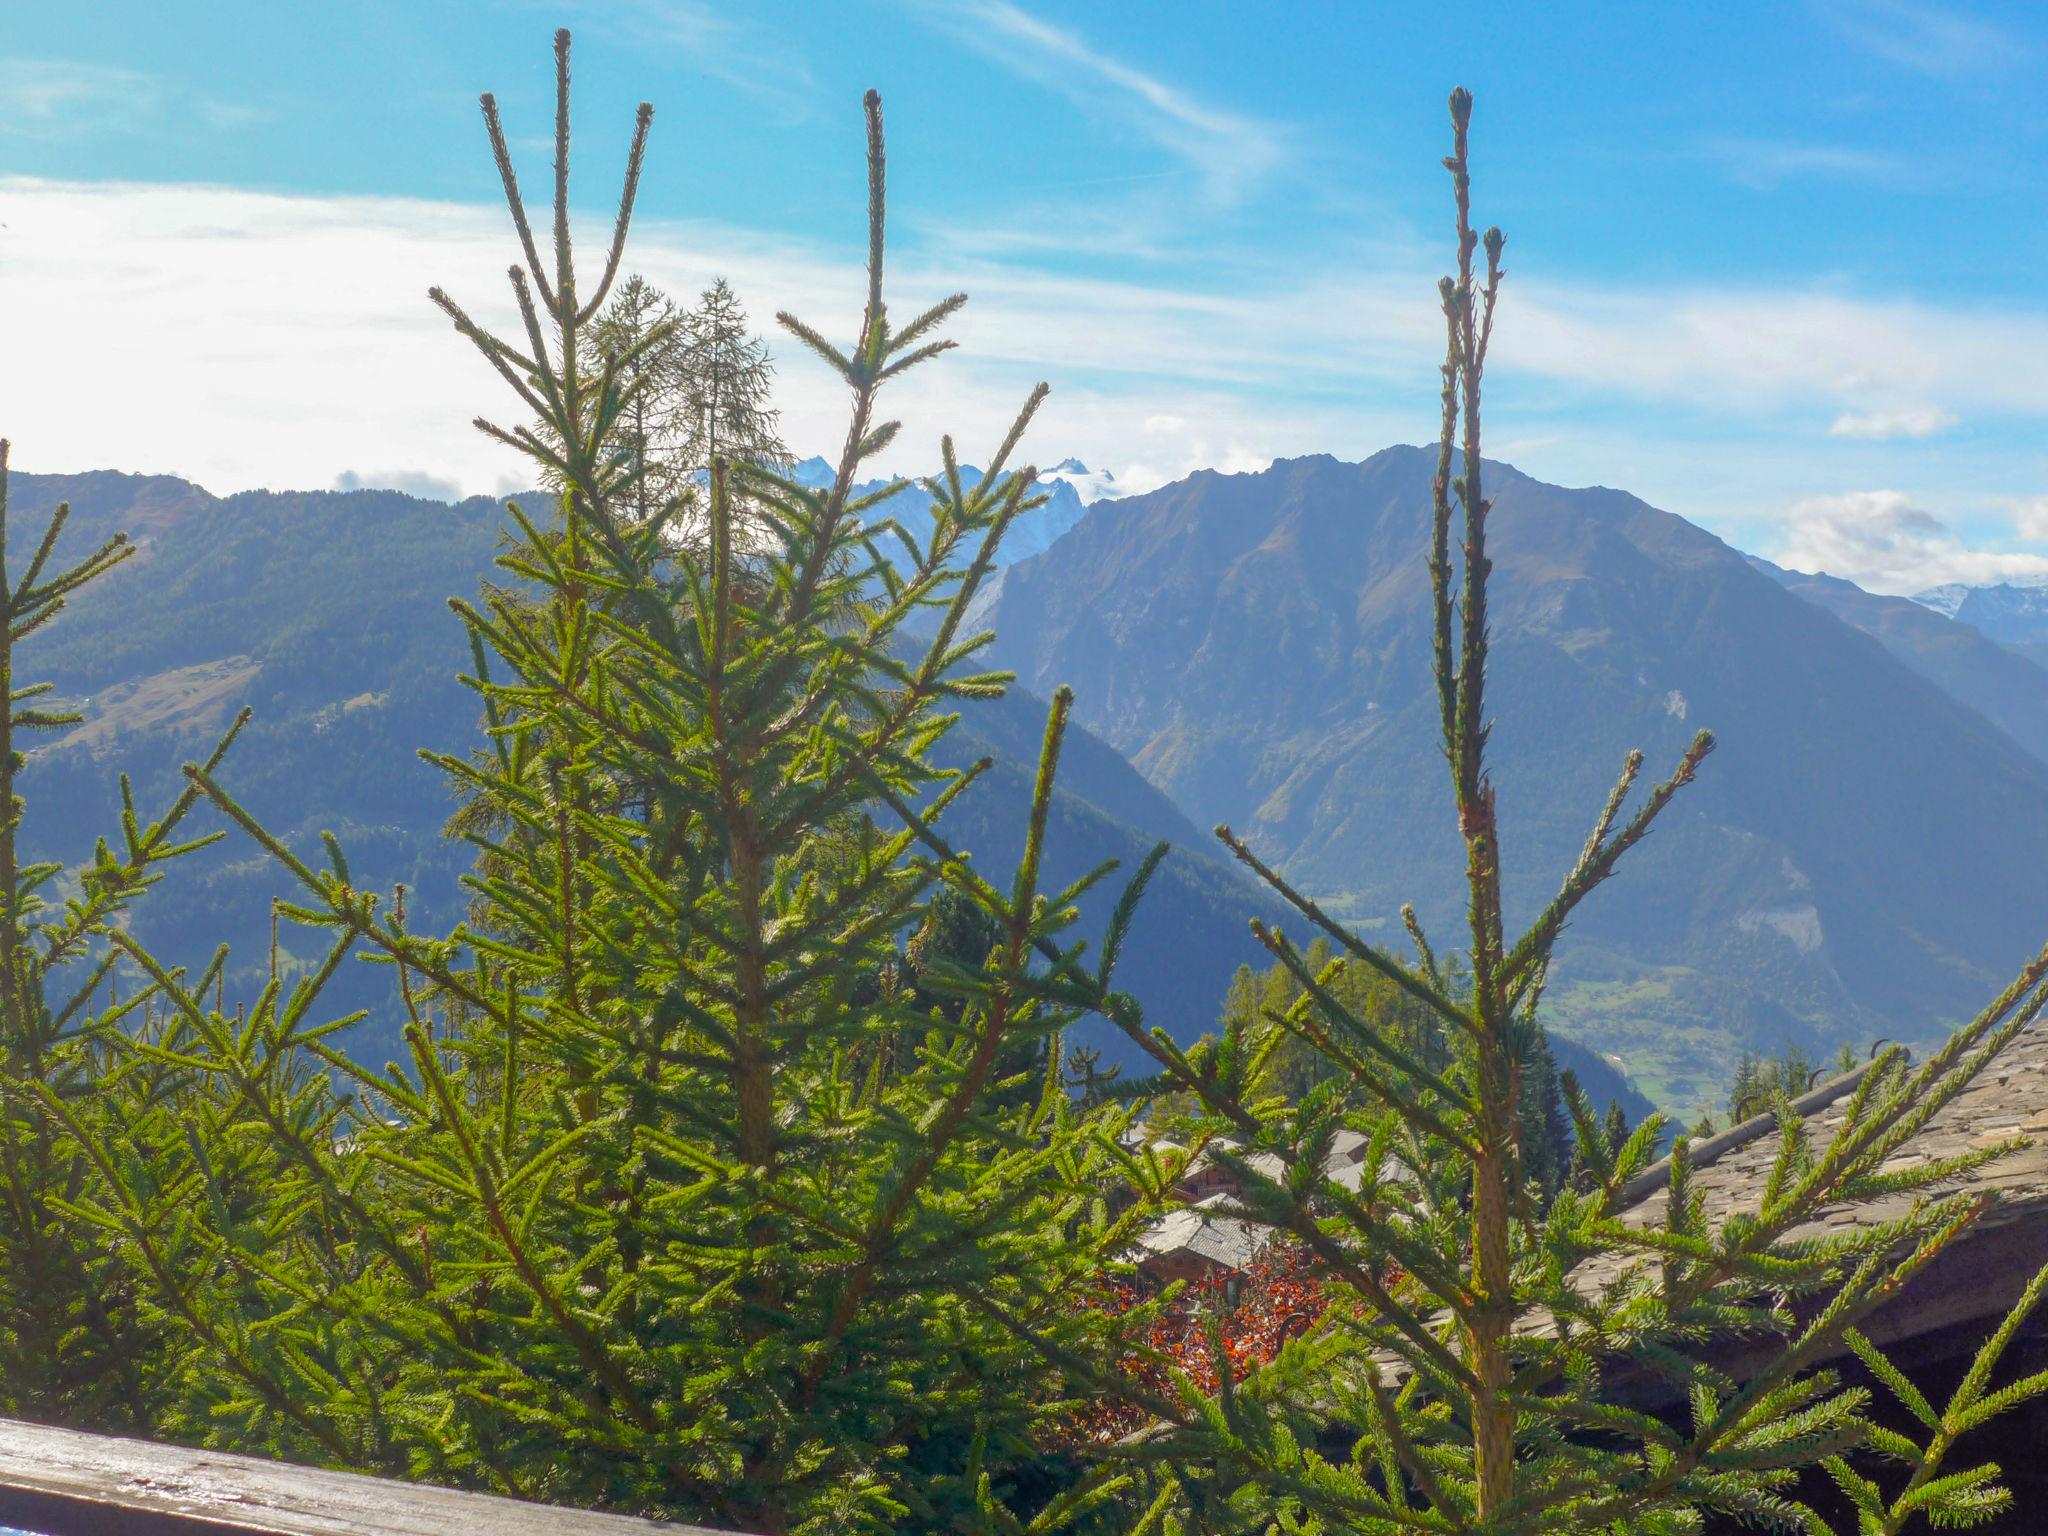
[1204, 1230]
[2008, 1099]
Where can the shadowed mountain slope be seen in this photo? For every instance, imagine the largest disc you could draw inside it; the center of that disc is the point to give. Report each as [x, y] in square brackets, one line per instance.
[1996, 680]
[326, 612]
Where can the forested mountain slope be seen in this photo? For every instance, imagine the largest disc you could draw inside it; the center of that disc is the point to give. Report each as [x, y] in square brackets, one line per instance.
[1862, 856]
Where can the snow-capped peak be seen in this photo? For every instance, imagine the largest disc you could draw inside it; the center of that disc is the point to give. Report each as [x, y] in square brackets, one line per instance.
[1090, 485]
[2021, 592]
[1944, 599]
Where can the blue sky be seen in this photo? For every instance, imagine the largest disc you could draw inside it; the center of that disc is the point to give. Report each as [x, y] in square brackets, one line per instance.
[1772, 267]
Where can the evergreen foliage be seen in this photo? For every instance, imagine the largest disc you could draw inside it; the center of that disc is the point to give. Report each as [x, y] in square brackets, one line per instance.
[74, 1343]
[653, 431]
[1393, 1013]
[1947, 1500]
[697, 385]
[727, 384]
[1761, 1082]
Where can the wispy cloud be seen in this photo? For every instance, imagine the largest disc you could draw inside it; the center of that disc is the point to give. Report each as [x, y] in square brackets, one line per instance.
[1750, 350]
[412, 482]
[1921, 421]
[216, 113]
[1765, 165]
[1885, 542]
[713, 43]
[1228, 151]
[47, 98]
[1928, 38]
[63, 98]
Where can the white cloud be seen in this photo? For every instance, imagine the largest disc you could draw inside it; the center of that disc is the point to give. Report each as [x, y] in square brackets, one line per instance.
[1921, 421]
[1751, 350]
[239, 339]
[1883, 542]
[1175, 445]
[1228, 150]
[412, 482]
[247, 338]
[2029, 516]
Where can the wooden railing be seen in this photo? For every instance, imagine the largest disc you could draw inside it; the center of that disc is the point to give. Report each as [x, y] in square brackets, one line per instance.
[59, 1482]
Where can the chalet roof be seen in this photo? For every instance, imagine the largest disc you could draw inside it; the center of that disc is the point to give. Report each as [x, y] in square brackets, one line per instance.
[2008, 1099]
[1347, 1148]
[1205, 1231]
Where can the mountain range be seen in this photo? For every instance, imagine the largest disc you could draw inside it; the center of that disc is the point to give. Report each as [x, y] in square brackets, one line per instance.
[2013, 613]
[325, 612]
[1068, 487]
[1861, 856]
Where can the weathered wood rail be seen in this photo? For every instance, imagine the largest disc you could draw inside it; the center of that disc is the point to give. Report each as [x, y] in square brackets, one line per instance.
[60, 1482]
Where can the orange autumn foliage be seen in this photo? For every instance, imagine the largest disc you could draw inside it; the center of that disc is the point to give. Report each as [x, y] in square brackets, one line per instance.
[1279, 1296]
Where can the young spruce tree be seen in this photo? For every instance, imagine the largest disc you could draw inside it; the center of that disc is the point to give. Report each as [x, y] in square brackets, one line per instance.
[1463, 1379]
[669, 1207]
